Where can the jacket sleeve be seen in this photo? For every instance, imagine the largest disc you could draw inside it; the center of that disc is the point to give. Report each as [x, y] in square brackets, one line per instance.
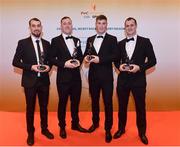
[87, 47]
[80, 55]
[18, 58]
[53, 55]
[48, 56]
[118, 60]
[151, 59]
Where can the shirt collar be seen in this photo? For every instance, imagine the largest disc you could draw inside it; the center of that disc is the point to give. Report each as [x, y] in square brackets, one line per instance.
[65, 35]
[101, 34]
[135, 37]
[35, 38]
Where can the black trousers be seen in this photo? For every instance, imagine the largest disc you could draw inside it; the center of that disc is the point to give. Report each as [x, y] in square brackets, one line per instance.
[72, 89]
[42, 91]
[95, 87]
[139, 97]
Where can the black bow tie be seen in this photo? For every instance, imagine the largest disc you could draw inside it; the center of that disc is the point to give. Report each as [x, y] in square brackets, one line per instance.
[69, 37]
[130, 39]
[100, 36]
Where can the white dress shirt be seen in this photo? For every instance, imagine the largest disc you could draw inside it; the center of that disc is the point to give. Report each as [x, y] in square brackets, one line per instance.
[98, 41]
[70, 43]
[36, 49]
[130, 46]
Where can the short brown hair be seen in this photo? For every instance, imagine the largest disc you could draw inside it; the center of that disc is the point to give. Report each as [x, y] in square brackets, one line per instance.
[65, 17]
[101, 17]
[35, 19]
[130, 18]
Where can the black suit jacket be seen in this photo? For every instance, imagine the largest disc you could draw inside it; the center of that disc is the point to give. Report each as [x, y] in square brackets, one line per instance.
[143, 50]
[59, 55]
[107, 54]
[25, 57]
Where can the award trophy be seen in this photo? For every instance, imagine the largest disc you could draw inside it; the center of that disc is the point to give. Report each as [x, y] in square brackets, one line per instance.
[89, 57]
[74, 55]
[128, 63]
[41, 66]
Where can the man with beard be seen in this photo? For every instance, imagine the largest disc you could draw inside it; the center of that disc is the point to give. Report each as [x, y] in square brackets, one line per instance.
[30, 53]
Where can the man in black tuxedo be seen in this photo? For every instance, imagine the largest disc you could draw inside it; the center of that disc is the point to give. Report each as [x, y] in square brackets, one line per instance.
[29, 54]
[136, 55]
[66, 54]
[99, 54]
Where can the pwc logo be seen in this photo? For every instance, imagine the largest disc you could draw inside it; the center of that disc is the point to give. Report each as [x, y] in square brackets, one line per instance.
[91, 13]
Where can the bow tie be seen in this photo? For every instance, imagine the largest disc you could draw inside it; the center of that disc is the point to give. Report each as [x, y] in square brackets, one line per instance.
[130, 39]
[100, 36]
[69, 37]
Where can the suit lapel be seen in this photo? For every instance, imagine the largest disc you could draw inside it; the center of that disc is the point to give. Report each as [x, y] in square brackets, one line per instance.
[92, 41]
[31, 47]
[75, 42]
[44, 47]
[103, 43]
[136, 48]
[124, 52]
[64, 45]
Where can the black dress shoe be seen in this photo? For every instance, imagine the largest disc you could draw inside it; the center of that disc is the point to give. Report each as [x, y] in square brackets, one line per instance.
[144, 139]
[118, 134]
[108, 137]
[30, 139]
[93, 128]
[63, 133]
[48, 134]
[79, 128]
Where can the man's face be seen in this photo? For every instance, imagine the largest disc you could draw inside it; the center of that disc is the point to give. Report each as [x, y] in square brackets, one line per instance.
[35, 28]
[101, 26]
[130, 28]
[66, 26]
